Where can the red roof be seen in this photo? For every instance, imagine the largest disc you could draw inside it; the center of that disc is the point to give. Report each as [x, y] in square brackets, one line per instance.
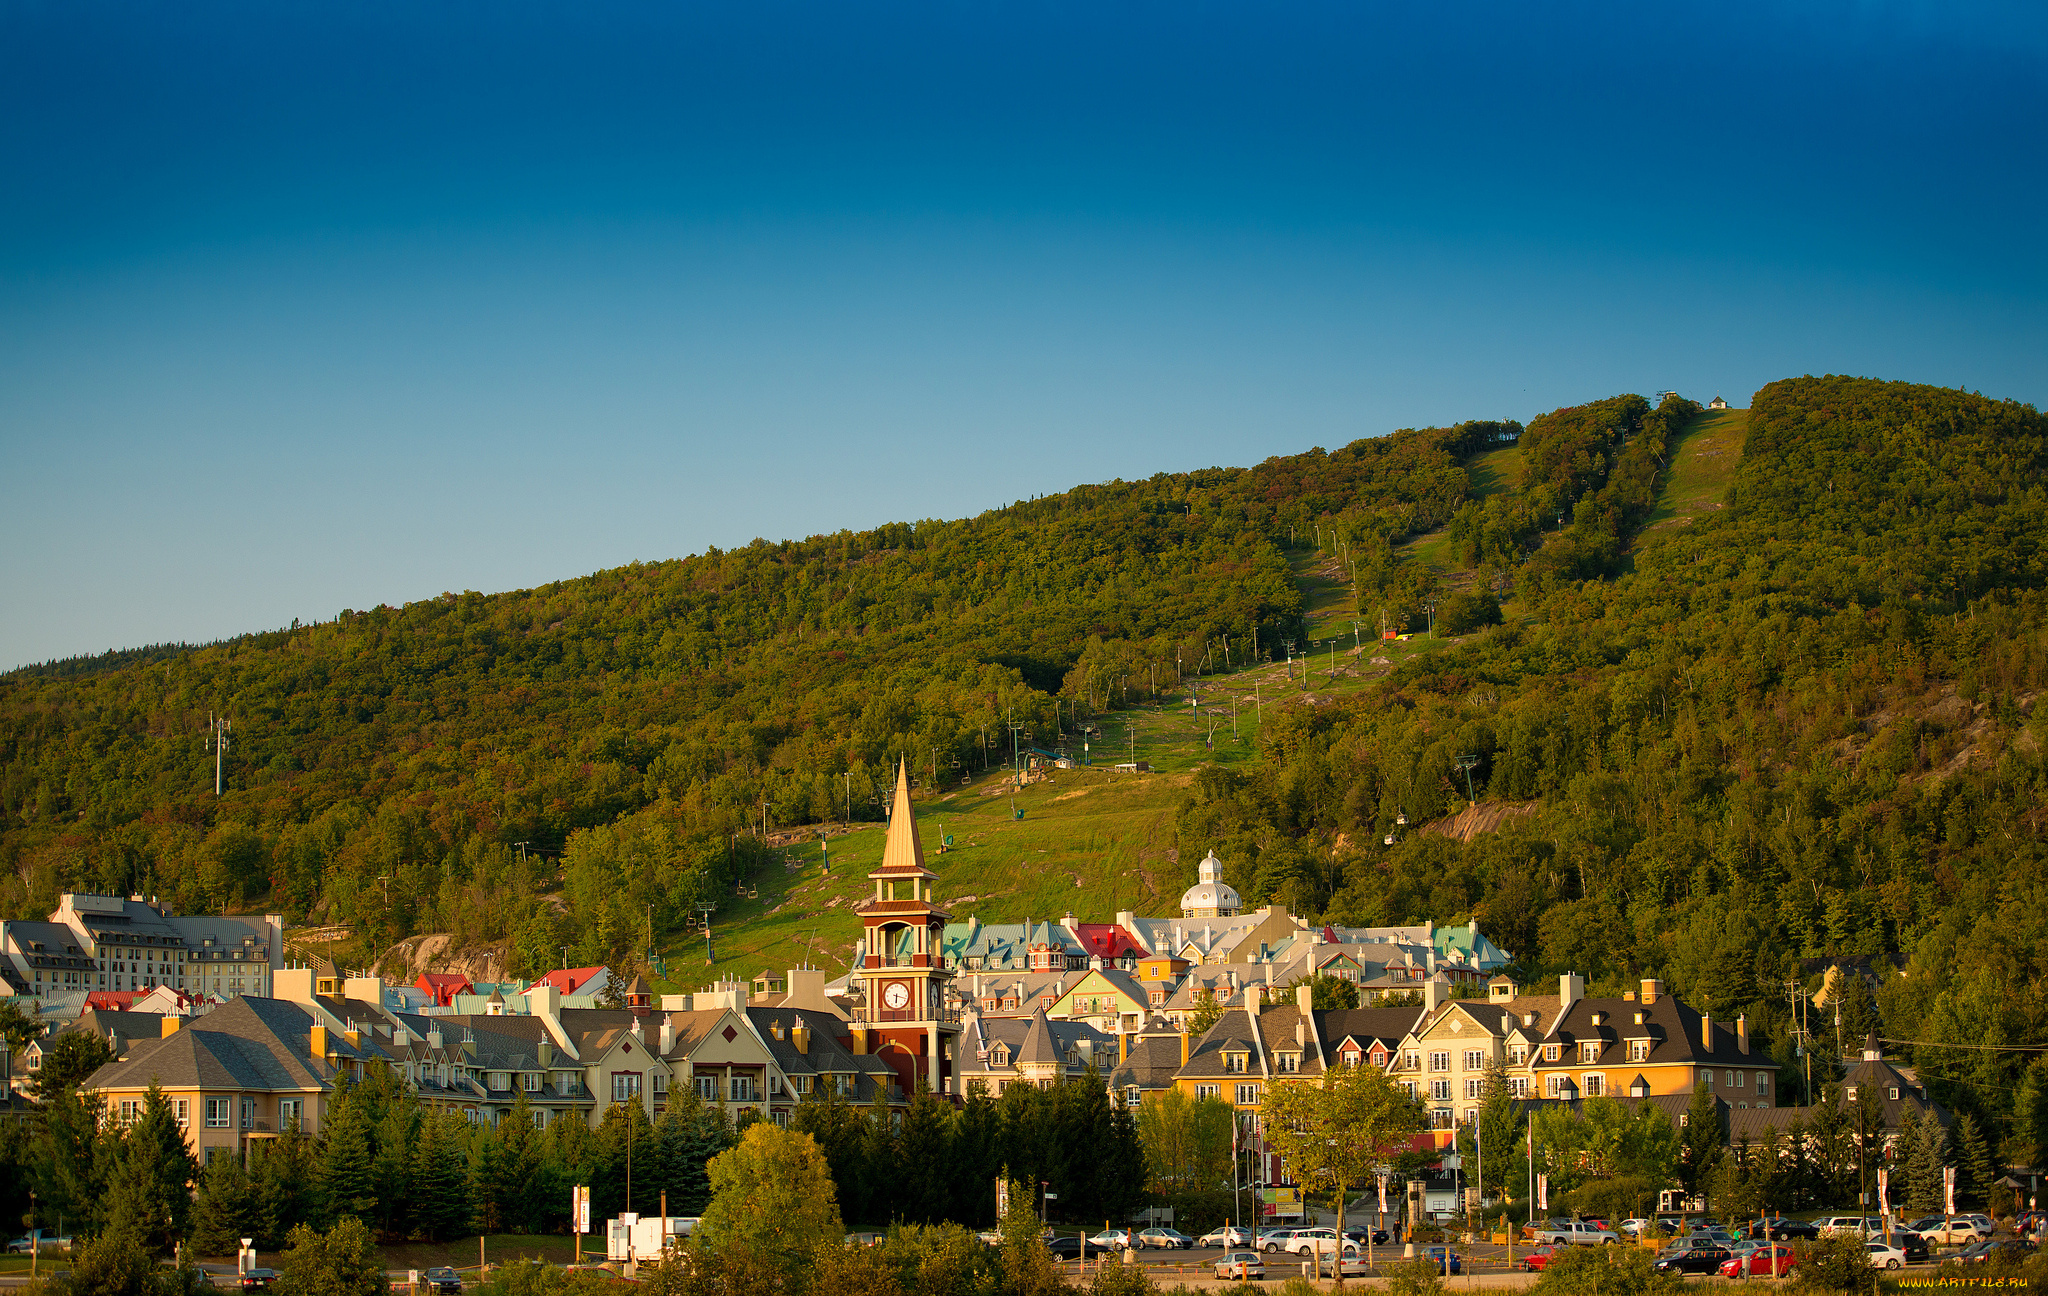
[1106, 940]
[443, 986]
[110, 1000]
[571, 980]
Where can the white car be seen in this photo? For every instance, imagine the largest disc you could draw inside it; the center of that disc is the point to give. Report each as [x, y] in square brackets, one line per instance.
[1574, 1233]
[1112, 1240]
[1272, 1240]
[1228, 1236]
[1323, 1241]
[1963, 1228]
[1634, 1227]
[1885, 1257]
[1165, 1239]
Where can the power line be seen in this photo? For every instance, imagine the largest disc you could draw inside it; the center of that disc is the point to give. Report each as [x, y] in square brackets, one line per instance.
[1987, 1048]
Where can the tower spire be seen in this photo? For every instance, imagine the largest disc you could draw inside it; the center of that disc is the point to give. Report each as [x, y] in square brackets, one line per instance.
[902, 852]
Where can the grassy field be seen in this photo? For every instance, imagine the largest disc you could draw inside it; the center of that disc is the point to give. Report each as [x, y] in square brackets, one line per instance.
[1702, 467]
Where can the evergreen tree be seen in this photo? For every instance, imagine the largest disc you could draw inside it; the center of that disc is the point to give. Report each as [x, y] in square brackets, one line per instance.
[149, 1193]
[625, 1138]
[879, 1175]
[826, 1116]
[397, 1132]
[347, 1162]
[441, 1200]
[519, 1164]
[70, 1177]
[68, 1059]
[285, 1172]
[925, 1156]
[1926, 1155]
[1121, 1181]
[976, 1161]
[571, 1157]
[1699, 1143]
[480, 1178]
[1833, 1156]
[226, 1209]
[341, 1262]
[1974, 1172]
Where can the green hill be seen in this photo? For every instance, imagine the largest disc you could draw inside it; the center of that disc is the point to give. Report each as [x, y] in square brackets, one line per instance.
[1754, 738]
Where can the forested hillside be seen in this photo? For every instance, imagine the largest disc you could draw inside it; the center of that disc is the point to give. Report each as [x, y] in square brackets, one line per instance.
[383, 765]
[1796, 727]
[1801, 726]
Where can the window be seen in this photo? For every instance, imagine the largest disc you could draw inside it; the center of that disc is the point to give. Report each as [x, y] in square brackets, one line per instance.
[540, 1118]
[1551, 1084]
[1247, 1095]
[1735, 1079]
[1589, 1052]
[1474, 1086]
[1553, 1052]
[1707, 1078]
[1205, 1091]
[530, 1081]
[1639, 1050]
[1763, 1083]
[1519, 1086]
[130, 1109]
[1593, 1084]
[1379, 1059]
[625, 1086]
[742, 1089]
[1475, 1059]
[1411, 1059]
[1440, 1089]
[1440, 1061]
[660, 1083]
[1895, 1093]
[781, 1119]
[1440, 1118]
[1287, 1062]
[181, 1111]
[1409, 1086]
[1235, 1062]
[248, 1113]
[289, 1111]
[1518, 1054]
[1158, 998]
[707, 1088]
[219, 1112]
[1350, 1057]
[500, 1081]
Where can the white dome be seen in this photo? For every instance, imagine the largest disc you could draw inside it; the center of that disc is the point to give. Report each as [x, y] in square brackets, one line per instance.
[1210, 897]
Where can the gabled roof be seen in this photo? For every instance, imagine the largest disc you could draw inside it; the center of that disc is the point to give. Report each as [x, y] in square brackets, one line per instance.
[1152, 1063]
[1039, 1046]
[1106, 941]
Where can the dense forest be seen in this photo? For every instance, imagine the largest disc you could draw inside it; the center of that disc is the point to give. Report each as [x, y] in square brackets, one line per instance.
[1799, 728]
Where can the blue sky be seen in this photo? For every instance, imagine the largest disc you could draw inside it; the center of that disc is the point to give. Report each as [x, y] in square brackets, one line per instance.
[305, 307]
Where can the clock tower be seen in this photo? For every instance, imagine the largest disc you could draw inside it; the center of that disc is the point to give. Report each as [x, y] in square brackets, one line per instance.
[903, 972]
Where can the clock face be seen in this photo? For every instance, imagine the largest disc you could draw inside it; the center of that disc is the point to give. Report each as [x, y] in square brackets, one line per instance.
[897, 995]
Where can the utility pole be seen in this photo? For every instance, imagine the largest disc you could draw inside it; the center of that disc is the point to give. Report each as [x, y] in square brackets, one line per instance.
[704, 910]
[1466, 763]
[522, 850]
[217, 740]
[848, 821]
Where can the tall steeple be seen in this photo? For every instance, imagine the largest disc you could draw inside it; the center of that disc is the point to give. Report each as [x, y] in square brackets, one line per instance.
[902, 853]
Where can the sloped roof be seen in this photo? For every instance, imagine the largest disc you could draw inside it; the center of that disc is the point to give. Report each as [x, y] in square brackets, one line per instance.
[1152, 1064]
[902, 853]
[248, 1043]
[1039, 1046]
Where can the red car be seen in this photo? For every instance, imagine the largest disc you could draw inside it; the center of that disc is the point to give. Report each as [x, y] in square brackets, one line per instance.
[1764, 1262]
[1535, 1260]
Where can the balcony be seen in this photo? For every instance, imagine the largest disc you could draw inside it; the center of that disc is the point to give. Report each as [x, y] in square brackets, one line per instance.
[875, 1016]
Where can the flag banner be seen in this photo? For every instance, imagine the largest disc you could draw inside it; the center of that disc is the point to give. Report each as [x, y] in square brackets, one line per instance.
[1002, 1198]
[1543, 1192]
[1884, 1185]
[1383, 1194]
[1948, 1188]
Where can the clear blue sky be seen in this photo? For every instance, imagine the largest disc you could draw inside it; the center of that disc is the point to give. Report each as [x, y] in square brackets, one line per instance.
[308, 306]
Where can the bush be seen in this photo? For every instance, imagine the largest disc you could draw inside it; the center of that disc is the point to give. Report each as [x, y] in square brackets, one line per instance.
[1604, 1271]
[1833, 1264]
[1416, 1278]
[1121, 1280]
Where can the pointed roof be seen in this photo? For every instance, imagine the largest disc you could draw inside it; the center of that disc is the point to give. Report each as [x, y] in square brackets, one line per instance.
[1039, 1044]
[902, 853]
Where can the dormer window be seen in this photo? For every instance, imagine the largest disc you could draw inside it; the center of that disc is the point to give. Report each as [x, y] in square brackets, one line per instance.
[1235, 1063]
[1895, 1093]
[1289, 1062]
[1639, 1050]
[1553, 1052]
[1518, 1054]
[1589, 1053]
[999, 1057]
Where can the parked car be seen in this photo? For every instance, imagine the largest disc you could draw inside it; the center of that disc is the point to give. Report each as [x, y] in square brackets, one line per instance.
[51, 1245]
[1574, 1233]
[1884, 1256]
[1165, 1239]
[442, 1279]
[1635, 1227]
[1436, 1256]
[1068, 1246]
[1350, 1265]
[1917, 1248]
[1274, 1240]
[1535, 1260]
[1954, 1232]
[1850, 1225]
[1767, 1261]
[1699, 1260]
[1113, 1240]
[1241, 1264]
[1378, 1237]
[1787, 1230]
[258, 1279]
[1230, 1235]
[1303, 1241]
[2010, 1250]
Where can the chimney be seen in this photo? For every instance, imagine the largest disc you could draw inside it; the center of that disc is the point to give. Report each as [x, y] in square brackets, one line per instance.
[1432, 995]
[1123, 1048]
[1653, 990]
[1304, 1000]
[434, 1038]
[800, 1035]
[1742, 1032]
[860, 1040]
[1571, 987]
[1707, 1031]
[668, 1034]
[316, 1043]
[171, 1023]
[1300, 1034]
[1183, 1045]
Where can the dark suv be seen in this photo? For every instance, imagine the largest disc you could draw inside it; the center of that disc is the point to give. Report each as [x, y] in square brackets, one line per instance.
[442, 1279]
[1699, 1260]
